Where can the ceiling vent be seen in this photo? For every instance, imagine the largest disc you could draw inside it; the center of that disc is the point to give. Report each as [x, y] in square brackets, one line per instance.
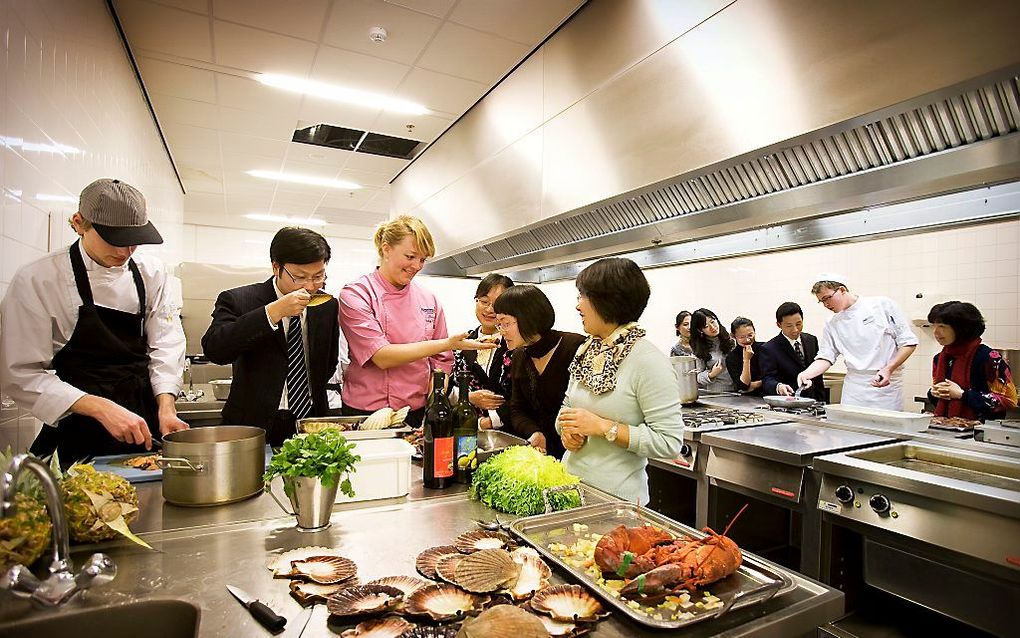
[348, 139]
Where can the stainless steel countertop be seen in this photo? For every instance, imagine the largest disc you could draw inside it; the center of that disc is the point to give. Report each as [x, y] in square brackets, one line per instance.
[196, 563]
[790, 443]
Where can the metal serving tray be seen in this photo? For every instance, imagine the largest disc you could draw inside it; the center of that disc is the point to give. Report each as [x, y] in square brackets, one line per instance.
[753, 583]
[350, 425]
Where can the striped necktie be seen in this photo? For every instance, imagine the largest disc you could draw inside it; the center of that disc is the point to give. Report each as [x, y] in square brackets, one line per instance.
[299, 398]
[799, 352]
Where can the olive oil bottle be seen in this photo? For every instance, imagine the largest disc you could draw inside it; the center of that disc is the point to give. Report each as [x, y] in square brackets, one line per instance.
[465, 432]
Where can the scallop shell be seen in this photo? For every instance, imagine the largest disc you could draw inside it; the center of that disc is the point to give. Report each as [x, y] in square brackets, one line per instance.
[556, 628]
[406, 584]
[443, 602]
[534, 575]
[389, 627]
[308, 593]
[503, 621]
[399, 416]
[486, 570]
[446, 567]
[325, 570]
[469, 542]
[567, 602]
[364, 600]
[426, 561]
[378, 420]
[432, 631]
[280, 564]
[520, 553]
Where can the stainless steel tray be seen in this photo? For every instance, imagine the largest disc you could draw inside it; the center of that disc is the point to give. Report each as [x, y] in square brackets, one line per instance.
[753, 583]
[494, 441]
[350, 425]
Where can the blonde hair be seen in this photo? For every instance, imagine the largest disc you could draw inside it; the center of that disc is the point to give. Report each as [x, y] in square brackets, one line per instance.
[84, 224]
[397, 229]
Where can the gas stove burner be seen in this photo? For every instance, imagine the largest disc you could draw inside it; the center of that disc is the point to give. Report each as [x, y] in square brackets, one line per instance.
[816, 410]
[719, 416]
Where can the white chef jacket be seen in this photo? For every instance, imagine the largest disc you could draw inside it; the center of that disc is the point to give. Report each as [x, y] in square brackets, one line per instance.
[39, 313]
[867, 334]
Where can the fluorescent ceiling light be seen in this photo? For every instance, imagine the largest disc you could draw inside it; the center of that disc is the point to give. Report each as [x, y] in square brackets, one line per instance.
[301, 221]
[310, 180]
[341, 94]
[46, 197]
[17, 142]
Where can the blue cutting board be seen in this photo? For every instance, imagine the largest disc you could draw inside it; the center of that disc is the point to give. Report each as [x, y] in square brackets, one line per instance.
[110, 464]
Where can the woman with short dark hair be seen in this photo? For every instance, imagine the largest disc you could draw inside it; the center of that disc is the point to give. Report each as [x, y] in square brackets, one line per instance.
[488, 370]
[682, 347]
[744, 361]
[969, 379]
[710, 346]
[538, 365]
[622, 405]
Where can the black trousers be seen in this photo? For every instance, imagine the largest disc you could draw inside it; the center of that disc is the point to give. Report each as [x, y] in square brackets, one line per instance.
[283, 427]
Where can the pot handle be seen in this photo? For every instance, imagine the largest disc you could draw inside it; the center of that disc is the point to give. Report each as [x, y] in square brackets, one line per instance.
[269, 490]
[179, 463]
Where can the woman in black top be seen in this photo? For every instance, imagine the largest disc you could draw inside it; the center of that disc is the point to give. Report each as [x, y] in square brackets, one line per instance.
[488, 370]
[539, 364]
[744, 361]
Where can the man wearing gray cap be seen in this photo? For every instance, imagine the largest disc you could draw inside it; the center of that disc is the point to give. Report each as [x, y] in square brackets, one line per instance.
[91, 341]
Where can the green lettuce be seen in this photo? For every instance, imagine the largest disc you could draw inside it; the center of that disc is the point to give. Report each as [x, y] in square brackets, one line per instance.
[513, 480]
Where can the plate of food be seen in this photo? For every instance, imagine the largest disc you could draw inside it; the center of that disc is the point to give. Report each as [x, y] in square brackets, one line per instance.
[136, 468]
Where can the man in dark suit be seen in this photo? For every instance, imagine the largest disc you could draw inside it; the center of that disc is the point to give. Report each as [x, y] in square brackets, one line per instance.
[787, 354]
[283, 351]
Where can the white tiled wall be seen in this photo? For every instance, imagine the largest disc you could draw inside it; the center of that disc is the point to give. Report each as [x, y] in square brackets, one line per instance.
[980, 264]
[71, 111]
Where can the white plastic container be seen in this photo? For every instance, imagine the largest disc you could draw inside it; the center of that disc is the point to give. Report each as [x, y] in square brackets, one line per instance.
[384, 470]
[877, 417]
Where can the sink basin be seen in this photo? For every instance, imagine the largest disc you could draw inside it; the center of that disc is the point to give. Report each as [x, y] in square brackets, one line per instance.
[174, 618]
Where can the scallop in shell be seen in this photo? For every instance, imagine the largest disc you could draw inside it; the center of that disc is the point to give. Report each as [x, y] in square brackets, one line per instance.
[443, 602]
[406, 584]
[534, 575]
[364, 600]
[426, 561]
[446, 568]
[469, 542]
[486, 570]
[556, 628]
[389, 627]
[325, 570]
[431, 631]
[309, 593]
[399, 416]
[378, 420]
[503, 621]
[280, 564]
[567, 602]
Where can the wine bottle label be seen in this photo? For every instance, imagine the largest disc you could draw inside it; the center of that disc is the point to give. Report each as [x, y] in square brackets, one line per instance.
[443, 459]
[467, 449]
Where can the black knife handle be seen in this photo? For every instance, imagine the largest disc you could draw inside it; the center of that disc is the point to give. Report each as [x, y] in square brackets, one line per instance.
[266, 616]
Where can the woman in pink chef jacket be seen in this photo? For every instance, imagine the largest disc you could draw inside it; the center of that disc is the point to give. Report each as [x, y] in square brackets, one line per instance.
[396, 328]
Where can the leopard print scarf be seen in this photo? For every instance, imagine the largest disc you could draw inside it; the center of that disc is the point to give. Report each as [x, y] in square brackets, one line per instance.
[597, 361]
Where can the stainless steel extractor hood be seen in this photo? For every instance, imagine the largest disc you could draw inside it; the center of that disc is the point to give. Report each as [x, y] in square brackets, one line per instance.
[744, 116]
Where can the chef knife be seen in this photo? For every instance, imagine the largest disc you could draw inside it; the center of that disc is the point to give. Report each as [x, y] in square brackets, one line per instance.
[259, 610]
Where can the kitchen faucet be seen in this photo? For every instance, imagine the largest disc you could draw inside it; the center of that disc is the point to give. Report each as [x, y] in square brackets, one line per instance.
[61, 585]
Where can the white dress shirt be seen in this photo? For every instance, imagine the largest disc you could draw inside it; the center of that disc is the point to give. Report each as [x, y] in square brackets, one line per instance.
[39, 314]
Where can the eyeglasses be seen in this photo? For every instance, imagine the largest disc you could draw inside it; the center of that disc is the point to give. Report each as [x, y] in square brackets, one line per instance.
[503, 327]
[483, 302]
[317, 280]
[827, 297]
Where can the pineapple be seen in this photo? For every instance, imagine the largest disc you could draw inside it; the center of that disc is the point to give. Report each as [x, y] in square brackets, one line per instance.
[99, 505]
[26, 534]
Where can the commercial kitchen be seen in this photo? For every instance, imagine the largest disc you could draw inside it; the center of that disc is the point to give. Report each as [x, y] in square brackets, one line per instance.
[738, 151]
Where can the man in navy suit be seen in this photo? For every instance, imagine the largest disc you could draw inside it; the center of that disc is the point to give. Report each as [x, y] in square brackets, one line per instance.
[787, 354]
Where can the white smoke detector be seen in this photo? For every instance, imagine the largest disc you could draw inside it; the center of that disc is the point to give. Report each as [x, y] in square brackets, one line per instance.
[377, 34]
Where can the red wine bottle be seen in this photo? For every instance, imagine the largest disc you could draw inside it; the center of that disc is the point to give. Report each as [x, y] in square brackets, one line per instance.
[437, 451]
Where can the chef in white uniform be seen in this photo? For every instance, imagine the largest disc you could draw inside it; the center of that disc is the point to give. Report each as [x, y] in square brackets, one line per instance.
[874, 338]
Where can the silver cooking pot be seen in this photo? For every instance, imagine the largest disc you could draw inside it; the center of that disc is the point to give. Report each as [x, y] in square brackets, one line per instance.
[686, 368]
[213, 465]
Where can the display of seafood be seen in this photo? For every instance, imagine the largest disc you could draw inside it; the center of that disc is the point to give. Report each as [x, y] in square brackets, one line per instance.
[325, 570]
[567, 603]
[388, 627]
[503, 621]
[378, 420]
[426, 561]
[481, 539]
[444, 602]
[364, 600]
[309, 593]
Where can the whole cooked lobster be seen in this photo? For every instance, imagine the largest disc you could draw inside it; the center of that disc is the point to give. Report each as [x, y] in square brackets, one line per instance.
[685, 564]
[623, 551]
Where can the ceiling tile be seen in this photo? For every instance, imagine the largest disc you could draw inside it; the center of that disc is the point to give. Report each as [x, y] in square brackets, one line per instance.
[296, 202]
[349, 216]
[199, 202]
[252, 145]
[178, 80]
[260, 51]
[525, 21]
[317, 111]
[248, 203]
[365, 178]
[205, 179]
[194, 156]
[242, 93]
[356, 70]
[348, 199]
[298, 18]
[438, 8]
[198, 6]
[320, 155]
[238, 161]
[407, 31]
[153, 27]
[426, 127]
[376, 163]
[380, 205]
[441, 92]
[296, 165]
[272, 125]
[471, 54]
[185, 135]
[178, 111]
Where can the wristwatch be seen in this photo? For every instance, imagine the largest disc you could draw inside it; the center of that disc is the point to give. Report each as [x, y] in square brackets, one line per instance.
[611, 433]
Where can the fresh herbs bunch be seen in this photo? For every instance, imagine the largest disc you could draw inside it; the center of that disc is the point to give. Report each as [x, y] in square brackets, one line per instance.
[326, 455]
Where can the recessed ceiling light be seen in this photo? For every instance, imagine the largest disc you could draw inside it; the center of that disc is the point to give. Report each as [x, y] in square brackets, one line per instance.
[285, 219]
[341, 94]
[310, 180]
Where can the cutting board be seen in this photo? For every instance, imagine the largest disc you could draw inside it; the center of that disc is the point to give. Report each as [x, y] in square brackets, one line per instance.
[133, 475]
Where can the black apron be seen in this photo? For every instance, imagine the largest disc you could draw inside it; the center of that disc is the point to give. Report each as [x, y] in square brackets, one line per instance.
[107, 355]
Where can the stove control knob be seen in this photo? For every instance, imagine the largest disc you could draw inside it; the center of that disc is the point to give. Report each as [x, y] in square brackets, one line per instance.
[685, 450]
[845, 494]
[880, 504]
